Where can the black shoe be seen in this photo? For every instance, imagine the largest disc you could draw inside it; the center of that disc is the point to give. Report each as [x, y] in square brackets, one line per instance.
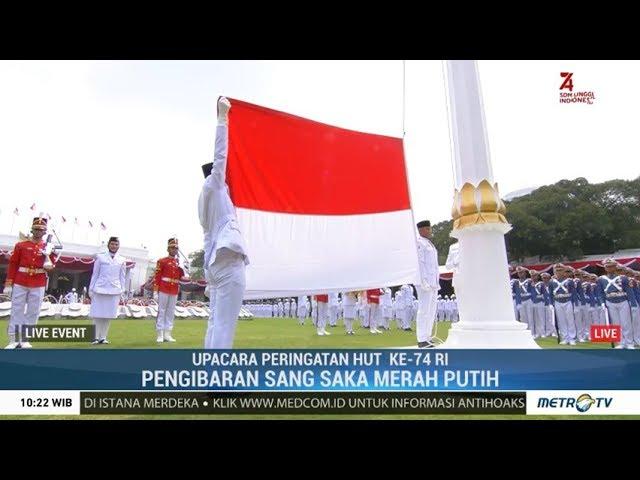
[426, 344]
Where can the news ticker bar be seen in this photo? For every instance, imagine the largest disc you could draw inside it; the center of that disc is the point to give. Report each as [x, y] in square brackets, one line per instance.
[558, 402]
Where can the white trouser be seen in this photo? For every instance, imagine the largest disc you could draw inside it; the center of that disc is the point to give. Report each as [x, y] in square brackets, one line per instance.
[227, 279]
[526, 313]
[374, 309]
[333, 315]
[398, 317]
[566, 321]
[550, 328]
[302, 314]
[427, 304]
[597, 316]
[538, 319]
[635, 324]
[323, 313]
[364, 316]
[580, 313]
[620, 314]
[406, 316]
[383, 319]
[166, 311]
[25, 308]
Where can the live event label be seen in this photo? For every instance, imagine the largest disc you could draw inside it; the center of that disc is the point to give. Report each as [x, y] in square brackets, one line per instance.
[58, 333]
[308, 403]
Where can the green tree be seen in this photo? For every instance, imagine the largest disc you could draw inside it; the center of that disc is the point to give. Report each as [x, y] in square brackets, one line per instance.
[197, 264]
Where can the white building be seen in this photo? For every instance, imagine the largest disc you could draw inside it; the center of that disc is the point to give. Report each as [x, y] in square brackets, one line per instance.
[75, 266]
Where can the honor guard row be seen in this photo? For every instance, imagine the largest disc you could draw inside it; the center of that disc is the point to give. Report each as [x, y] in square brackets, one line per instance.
[569, 302]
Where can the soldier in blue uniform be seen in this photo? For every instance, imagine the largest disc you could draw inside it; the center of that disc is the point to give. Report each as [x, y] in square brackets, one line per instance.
[635, 312]
[580, 311]
[523, 297]
[590, 284]
[562, 292]
[512, 282]
[550, 314]
[616, 296]
[539, 302]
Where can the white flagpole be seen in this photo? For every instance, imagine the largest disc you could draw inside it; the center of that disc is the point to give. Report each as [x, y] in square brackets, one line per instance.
[486, 309]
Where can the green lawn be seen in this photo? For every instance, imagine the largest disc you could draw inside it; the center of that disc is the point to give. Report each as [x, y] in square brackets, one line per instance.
[256, 333]
[267, 333]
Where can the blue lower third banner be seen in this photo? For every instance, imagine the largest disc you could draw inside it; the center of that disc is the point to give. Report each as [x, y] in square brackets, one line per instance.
[319, 370]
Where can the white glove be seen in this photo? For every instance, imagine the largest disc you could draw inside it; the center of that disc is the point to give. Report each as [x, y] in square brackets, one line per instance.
[8, 289]
[224, 105]
[155, 295]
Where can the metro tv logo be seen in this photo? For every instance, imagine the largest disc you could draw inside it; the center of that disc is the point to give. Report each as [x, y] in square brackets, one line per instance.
[582, 404]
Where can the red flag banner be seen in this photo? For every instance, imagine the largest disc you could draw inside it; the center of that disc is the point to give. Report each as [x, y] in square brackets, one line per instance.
[321, 208]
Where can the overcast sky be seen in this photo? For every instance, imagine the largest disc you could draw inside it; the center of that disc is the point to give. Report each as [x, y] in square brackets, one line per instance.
[121, 142]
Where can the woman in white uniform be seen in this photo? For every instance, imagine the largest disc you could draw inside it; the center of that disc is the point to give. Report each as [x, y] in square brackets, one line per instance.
[106, 287]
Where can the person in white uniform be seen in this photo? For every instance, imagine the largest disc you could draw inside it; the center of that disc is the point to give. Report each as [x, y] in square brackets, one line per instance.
[302, 309]
[72, 296]
[385, 305]
[333, 309]
[225, 256]
[429, 285]
[349, 301]
[107, 284]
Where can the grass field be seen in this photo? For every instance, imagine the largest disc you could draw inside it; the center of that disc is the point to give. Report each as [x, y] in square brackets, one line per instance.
[266, 333]
[255, 333]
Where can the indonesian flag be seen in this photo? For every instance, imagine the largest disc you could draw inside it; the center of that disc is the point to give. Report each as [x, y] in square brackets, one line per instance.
[321, 208]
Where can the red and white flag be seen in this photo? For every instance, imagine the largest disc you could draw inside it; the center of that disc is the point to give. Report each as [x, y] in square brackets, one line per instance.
[321, 208]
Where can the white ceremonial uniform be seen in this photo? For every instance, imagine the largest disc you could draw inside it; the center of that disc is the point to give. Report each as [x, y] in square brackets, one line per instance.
[397, 307]
[349, 313]
[428, 288]
[302, 309]
[71, 297]
[225, 255]
[108, 282]
[333, 309]
[385, 305]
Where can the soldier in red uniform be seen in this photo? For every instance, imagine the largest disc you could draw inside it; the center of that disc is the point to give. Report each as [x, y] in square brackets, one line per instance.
[26, 281]
[166, 285]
